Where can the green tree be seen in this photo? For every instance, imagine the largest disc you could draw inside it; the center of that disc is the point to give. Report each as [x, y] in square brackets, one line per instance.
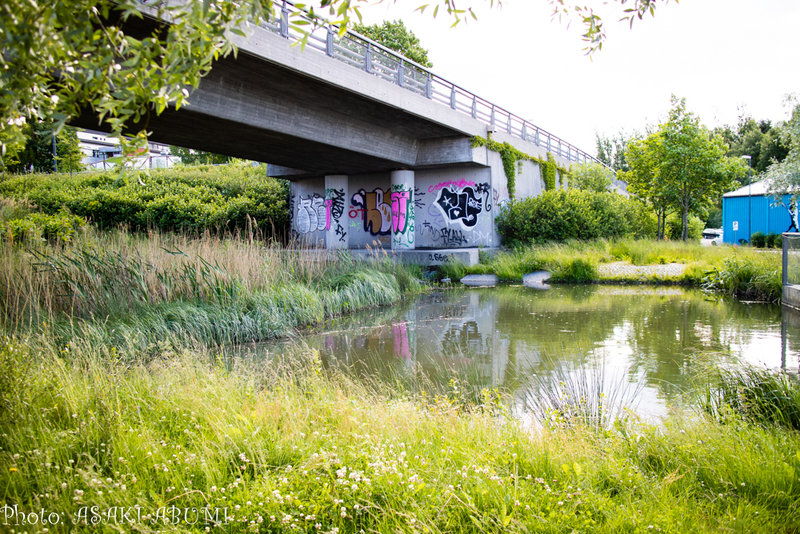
[693, 164]
[591, 177]
[763, 141]
[36, 154]
[395, 36]
[611, 151]
[645, 181]
[681, 166]
[189, 156]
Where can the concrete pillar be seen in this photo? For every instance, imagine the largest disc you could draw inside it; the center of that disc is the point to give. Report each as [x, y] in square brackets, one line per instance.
[337, 234]
[403, 223]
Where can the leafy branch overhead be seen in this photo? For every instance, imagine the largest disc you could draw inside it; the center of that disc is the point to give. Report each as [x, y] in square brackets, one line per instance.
[594, 32]
[63, 58]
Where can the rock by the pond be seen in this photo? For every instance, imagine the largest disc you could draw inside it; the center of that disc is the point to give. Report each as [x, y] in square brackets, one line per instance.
[480, 280]
[536, 280]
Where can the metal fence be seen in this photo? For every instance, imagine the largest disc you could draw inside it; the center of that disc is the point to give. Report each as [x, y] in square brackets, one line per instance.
[374, 58]
[791, 259]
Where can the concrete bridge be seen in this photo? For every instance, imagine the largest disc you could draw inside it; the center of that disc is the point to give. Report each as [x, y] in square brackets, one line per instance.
[378, 148]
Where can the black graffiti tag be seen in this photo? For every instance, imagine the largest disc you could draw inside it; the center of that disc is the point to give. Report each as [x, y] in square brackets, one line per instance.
[464, 205]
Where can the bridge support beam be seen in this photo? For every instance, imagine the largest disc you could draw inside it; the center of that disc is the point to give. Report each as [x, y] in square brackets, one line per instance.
[336, 195]
[403, 219]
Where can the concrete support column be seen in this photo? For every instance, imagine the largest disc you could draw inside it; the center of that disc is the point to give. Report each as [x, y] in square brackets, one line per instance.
[403, 223]
[337, 234]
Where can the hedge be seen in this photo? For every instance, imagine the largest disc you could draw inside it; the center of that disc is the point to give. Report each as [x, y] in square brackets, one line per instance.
[192, 199]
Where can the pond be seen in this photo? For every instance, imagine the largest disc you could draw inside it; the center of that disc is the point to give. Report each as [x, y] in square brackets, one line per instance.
[654, 342]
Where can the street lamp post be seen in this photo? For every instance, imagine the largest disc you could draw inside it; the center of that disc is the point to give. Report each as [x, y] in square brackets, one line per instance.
[749, 197]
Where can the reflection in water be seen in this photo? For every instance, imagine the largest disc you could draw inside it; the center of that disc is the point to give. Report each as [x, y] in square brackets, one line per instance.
[501, 337]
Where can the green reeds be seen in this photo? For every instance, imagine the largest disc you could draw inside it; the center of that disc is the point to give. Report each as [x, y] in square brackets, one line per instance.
[758, 395]
[133, 292]
[582, 395]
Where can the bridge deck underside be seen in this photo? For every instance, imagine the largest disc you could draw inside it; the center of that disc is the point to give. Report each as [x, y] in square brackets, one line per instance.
[251, 108]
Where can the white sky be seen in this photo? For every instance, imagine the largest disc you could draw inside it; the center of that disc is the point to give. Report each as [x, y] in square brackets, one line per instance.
[721, 55]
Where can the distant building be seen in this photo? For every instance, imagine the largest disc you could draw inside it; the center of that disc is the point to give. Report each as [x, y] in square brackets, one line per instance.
[98, 148]
[752, 209]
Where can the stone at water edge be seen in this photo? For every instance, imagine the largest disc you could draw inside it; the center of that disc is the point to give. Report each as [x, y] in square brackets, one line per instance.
[536, 280]
[480, 280]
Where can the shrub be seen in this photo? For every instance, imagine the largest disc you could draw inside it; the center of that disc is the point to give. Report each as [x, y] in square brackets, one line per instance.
[577, 270]
[194, 199]
[60, 227]
[758, 240]
[574, 214]
[771, 240]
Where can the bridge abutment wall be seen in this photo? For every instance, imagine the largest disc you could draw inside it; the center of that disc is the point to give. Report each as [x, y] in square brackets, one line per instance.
[440, 213]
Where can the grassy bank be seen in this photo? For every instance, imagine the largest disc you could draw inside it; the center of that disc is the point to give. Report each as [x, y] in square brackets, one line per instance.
[736, 271]
[139, 292]
[292, 448]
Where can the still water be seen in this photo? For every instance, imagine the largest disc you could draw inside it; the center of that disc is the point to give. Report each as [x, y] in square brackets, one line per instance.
[660, 340]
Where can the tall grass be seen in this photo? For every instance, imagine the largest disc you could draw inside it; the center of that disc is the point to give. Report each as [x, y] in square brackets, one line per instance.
[758, 395]
[135, 291]
[290, 447]
[584, 395]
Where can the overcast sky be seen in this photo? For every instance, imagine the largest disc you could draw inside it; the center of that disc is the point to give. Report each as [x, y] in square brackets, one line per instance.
[723, 56]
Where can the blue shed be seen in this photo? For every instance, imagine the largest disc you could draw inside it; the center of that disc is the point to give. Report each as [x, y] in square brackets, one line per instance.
[749, 206]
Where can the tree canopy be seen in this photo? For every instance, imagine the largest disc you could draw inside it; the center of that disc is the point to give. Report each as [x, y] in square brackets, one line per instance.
[395, 36]
[784, 177]
[64, 57]
[36, 154]
[764, 142]
[190, 156]
[611, 151]
[681, 166]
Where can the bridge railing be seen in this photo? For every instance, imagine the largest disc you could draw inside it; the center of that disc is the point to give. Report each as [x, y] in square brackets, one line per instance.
[365, 54]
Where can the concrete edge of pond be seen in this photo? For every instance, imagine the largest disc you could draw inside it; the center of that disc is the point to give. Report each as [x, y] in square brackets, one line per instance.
[480, 280]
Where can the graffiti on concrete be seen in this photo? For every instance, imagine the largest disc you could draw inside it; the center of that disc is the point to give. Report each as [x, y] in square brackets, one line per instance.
[429, 230]
[435, 256]
[452, 238]
[402, 210]
[312, 214]
[460, 206]
[485, 190]
[482, 238]
[459, 184]
[403, 229]
[419, 198]
[465, 205]
[376, 215]
[334, 205]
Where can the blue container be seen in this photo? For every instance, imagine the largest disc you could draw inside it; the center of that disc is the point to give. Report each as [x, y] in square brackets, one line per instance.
[749, 209]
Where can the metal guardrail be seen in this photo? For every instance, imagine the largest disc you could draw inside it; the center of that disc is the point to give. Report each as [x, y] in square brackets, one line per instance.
[367, 55]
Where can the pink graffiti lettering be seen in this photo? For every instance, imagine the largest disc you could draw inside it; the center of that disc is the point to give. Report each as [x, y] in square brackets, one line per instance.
[401, 201]
[328, 204]
[458, 184]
